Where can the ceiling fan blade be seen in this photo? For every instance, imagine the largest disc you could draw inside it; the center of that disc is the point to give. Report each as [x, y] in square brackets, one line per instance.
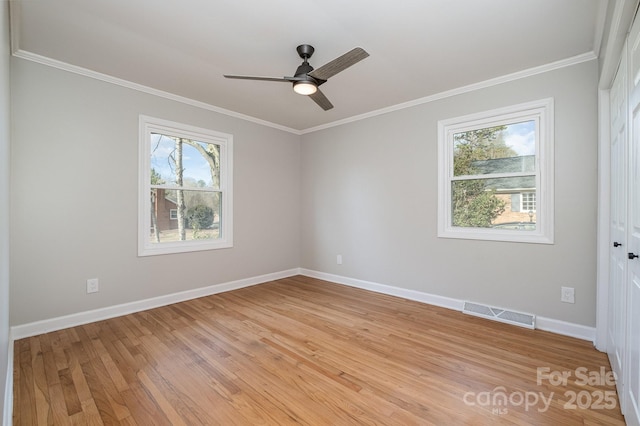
[247, 77]
[339, 64]
[319, 98]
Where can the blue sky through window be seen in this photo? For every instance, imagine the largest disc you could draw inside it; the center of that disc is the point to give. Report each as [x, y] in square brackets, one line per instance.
[195, 167]
[521, 137]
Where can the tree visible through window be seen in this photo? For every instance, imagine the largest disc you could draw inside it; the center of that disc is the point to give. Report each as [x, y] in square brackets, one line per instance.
[188, 181]
[185, 174]
[493, 168]
[474, 204]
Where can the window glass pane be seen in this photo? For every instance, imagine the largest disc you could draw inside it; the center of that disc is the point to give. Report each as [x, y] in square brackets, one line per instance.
[501, 149]
[200, 218]
[199, 162]
[487, 203]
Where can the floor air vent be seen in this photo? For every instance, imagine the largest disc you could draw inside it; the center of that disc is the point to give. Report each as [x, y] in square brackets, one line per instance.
[502, 315]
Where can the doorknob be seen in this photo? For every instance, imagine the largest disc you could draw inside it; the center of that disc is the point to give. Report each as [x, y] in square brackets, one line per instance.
[632, 256]
[616, 244]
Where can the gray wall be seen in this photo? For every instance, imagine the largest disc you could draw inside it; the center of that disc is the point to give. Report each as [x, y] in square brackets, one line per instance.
[75, 189]
[4, 198]
[366, 190]
[369, 193]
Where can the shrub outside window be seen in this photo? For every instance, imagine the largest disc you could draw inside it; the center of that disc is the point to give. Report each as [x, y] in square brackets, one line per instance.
[496, 174]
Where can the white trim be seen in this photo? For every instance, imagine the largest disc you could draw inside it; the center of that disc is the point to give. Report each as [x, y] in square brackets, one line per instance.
[603, 231]
[7, 417]
[431, 299]
[566, 328]
[601, 21]
[578, 59]
[547, 324]
[144, 89]
[6, 409]
[622, 17]
[66, 321]
[80, 318]
[540, 111]
[575, 60]
[15, 12]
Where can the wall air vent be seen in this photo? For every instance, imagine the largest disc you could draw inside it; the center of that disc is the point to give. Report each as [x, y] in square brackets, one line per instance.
[502, 315]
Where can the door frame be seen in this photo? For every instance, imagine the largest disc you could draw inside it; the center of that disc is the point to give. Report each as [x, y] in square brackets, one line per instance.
[620, 23]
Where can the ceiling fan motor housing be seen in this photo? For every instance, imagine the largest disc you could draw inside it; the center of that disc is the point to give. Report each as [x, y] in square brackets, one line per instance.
[305, 51]
[306, 85]
[303, 69]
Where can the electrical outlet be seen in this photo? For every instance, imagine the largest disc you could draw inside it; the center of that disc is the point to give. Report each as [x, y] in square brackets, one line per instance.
[567, 295]
[93, 285]
[339, 259]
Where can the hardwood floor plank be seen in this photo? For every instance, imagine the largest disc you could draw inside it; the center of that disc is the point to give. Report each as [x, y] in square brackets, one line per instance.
[41, 389]
[165, 406]
[110, 365]
[59, 342]
[100, 398]
[60, 416]
[26, 387]
[103, 384]
[91, 413]
[143, 407]
[305, 351]
[70, 392]
[17, 380]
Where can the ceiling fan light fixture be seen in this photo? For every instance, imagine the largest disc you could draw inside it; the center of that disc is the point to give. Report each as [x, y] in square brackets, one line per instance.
[305, 87]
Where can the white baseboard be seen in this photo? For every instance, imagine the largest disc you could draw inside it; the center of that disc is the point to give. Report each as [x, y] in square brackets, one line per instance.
[45, 326]
[547, 324]
[7, 413]
[59, 323]
[566, 328]
[431, 299]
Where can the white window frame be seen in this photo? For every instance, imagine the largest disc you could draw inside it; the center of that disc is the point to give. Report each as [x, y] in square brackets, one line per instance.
[173, 214]
[149, 125]
[542, 112]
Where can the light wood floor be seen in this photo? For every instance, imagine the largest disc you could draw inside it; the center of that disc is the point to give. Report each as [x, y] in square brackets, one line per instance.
[304, 351]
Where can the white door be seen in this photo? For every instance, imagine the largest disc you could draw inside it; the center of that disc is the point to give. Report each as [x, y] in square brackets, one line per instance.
[632, 385]
[616, 332]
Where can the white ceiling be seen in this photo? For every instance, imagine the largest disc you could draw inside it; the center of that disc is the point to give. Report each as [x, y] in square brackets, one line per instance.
[418, 48]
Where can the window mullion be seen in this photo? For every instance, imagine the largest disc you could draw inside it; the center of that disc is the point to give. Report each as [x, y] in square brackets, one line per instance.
[492, 176]
[184, 188]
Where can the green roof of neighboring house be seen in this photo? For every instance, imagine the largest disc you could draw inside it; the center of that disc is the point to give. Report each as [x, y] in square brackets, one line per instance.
[525, 163]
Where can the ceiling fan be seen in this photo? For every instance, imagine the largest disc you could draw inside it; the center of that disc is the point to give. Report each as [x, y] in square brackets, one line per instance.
[306, 79]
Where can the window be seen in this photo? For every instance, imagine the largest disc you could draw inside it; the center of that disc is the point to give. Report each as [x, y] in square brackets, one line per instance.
[528, 202]
[185, 188]
[496, 174]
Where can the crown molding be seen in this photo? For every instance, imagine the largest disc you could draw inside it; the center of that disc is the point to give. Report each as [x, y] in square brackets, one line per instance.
[585, 57]
[43, 60]
[19, 53]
